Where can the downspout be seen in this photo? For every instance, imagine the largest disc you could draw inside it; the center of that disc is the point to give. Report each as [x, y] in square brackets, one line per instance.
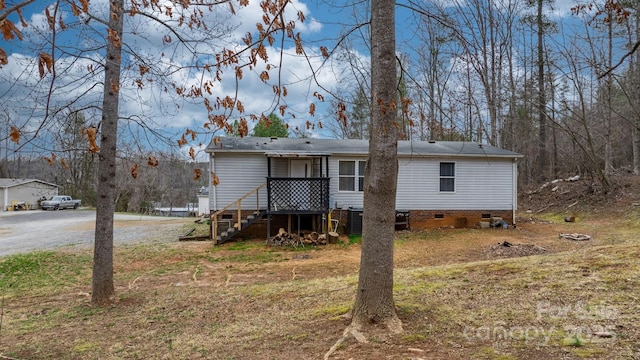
[514, 201]
[268, 197]
[213, 204]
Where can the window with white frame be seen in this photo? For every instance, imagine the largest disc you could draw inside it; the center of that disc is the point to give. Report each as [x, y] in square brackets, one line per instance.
[351, 175]
[447, 177]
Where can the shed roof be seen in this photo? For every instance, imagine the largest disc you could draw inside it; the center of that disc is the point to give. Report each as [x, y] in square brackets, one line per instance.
[296, 147]
[11, 182]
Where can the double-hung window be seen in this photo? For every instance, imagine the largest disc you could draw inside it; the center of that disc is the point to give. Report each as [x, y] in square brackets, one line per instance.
[351, 175]
[447, 177]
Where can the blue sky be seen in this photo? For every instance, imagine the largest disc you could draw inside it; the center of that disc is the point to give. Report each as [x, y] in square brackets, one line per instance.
[20, 84]
[24, 96]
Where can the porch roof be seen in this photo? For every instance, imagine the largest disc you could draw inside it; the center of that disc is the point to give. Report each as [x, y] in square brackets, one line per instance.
[291, 154]
[300, 147]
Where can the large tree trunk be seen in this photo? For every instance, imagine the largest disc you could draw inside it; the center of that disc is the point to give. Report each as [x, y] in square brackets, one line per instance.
[374, 297]
[105, 198]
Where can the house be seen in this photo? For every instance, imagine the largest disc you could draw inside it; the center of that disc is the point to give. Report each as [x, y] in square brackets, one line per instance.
[316, 184]
[26, 192]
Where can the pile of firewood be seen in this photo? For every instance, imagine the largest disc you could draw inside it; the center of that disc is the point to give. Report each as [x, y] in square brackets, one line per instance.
[283, 238]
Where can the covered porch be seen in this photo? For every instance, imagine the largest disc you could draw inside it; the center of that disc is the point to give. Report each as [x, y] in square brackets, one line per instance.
[298, 189]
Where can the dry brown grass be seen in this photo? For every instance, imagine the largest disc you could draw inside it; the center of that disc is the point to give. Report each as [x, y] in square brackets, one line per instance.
[457, 298]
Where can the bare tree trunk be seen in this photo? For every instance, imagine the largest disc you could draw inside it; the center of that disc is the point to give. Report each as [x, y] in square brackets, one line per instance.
[636, 127]
[103, 287]
[542, 114]
[374, 297]
[608, 148]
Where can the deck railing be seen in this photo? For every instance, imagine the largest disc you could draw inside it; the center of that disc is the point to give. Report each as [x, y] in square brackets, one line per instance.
[297, 195]
[238, 203]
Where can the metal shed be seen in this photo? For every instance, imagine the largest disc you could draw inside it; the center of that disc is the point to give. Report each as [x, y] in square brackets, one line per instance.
[25, 191]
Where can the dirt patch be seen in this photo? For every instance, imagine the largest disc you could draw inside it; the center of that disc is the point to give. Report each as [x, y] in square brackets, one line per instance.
[506, 249]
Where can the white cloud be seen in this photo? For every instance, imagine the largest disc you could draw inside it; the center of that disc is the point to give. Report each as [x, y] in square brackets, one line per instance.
[76, 86]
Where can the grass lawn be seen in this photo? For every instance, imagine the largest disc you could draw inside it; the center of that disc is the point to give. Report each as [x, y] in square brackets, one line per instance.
[459, 293]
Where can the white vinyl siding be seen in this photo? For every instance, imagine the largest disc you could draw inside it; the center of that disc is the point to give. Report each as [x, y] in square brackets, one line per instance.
[480, 184]
[239, 174]
[279, 167]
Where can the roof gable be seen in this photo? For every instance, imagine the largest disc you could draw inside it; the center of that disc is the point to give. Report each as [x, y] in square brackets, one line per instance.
[11, 182]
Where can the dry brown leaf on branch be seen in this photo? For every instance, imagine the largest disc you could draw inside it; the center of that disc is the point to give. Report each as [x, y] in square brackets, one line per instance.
[152, 161]
[14, 134]
[44, 61]
[214, 179]
[85, 6]
[243, 128]
[50, 19]
[143, 69]
[134, 171]
[192, 153]
[324, 51]
[92, 135]
[51, 160]
[312, 109]
[64, 164]
[182, 140]
[75, 9]
[3, 57]
[298, 42]
[197, 174]
[9, 30]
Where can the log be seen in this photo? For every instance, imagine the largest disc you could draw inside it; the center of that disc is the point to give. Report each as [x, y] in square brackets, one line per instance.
[576, 237]
[333, 237]
[322, 239]
[285, 239]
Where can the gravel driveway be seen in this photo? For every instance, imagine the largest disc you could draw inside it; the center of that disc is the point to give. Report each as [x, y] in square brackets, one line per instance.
[25, 231]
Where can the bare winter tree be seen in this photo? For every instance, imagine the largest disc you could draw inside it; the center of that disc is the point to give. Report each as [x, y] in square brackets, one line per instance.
[188, 35]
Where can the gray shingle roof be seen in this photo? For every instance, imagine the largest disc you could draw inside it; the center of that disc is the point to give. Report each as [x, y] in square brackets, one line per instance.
[284, 146]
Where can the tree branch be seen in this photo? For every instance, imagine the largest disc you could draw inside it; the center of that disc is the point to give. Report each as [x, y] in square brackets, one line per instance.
[633, 50]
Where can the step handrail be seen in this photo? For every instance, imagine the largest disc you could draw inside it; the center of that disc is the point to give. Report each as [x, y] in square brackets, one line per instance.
[214, 216]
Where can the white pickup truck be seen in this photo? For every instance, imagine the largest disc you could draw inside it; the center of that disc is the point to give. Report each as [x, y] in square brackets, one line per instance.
[60, 202]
